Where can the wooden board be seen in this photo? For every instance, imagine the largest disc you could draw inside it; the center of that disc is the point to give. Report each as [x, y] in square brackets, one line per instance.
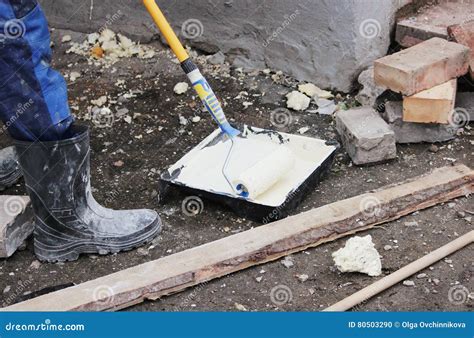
[434, 105]
[176, 272]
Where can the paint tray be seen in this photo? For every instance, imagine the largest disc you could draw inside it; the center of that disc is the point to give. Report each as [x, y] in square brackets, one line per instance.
[199, 172]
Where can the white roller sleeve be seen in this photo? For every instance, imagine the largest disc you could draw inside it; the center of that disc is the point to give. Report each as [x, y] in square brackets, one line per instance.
[266, 172]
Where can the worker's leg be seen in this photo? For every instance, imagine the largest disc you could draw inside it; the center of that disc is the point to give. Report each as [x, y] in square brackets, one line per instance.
[53, 154]
[33, 96]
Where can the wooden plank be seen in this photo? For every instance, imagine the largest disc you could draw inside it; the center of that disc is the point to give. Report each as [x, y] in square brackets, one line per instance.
[176, 272]
[434, 105]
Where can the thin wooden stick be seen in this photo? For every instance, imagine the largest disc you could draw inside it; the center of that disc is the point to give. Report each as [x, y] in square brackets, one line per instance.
[401, 274]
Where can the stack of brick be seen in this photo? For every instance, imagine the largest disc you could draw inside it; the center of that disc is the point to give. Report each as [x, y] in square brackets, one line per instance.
[425, 75]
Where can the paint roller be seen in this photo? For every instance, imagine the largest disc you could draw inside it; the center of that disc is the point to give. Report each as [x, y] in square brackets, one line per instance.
[262, 175]
[265, 173]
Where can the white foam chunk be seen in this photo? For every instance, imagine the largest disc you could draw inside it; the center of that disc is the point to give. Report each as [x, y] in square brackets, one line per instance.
[358, 255]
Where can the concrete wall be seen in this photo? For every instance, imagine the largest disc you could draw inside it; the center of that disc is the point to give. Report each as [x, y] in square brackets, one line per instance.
[327, 42]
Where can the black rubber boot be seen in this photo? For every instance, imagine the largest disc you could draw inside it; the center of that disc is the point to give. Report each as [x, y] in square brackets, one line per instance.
[9, 168]
[68, 219]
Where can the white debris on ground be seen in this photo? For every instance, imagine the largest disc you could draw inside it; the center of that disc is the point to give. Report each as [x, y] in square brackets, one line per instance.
[287, 262]
[297, 100]
[358, 255]
[74, 76]
[180, 88]
[314, 91]
[326, 107]
[109, 47]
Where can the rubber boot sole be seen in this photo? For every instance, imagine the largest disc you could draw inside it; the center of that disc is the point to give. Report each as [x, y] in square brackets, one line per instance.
[71, 251]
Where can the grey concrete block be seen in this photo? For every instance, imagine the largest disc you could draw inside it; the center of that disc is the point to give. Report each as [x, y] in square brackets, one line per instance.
[16, 223]
[466, 101]
[327, 43]
[366, 137]
[409, 132]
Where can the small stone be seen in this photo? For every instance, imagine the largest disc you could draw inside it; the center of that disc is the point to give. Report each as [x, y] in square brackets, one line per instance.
[35, 265]
[122, 111]
[118, 163]
[142, 252]
[128, 119]
[216, 59]
[370, 91]
[182, 120]
[259, 279]
[436, 281]
[181, 88]
[421, 275]
[451, 205]
[449, 261]
[287, 262]
[100, 101]
[297, 100]
[387, 247]
[433, 148]
[409, 283]
[74, 76]
[303, 130]
[240, 307]
[196, 119]
[302, 278]
[411, 224]
[7, 289]
[66, 38]
[461, 214]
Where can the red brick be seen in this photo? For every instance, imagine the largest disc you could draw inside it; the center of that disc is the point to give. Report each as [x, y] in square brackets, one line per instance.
[464, 34]
[421, 67]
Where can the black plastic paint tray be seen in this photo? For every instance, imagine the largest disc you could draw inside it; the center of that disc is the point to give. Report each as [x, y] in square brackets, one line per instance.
[199, 172]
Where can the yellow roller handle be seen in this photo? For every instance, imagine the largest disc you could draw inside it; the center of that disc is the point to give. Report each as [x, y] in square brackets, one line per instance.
[166, 30]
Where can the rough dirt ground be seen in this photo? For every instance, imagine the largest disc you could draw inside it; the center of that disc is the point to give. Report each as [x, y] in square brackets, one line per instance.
[145, 150]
